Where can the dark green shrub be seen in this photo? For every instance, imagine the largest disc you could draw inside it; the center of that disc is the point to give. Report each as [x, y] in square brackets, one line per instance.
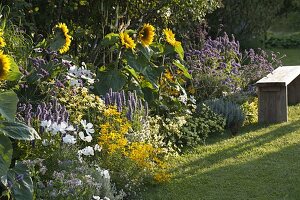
[284, 41]
[203, 124]
[229, 110]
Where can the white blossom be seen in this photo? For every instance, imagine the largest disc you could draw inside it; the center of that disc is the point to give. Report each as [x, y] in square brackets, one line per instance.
[46, 124]
[85, 138]
[75, 82]
[70, 128]
[69, 139]
[97, 147]
[96, 197]
[105, 174]
[55, 128]
[87, 151]
[88, 127]
[62, 127]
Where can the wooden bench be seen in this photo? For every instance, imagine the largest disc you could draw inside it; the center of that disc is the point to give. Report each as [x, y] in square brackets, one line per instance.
[276, 91]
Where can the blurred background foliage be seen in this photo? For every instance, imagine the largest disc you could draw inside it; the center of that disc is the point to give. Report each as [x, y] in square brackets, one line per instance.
[91, 20]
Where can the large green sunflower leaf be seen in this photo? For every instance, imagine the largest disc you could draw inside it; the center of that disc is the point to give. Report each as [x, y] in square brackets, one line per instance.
[182, 68]
[132, 72]
[6, 152]
[18, 131]
[114, 79]
[14, 73]
[146, 51]
[145, 67]
[178, 49]
[110, 39]
[8, 105]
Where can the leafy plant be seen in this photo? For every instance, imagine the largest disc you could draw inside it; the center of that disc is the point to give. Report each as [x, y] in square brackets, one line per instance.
[16, 180]
[250, 109]
[201, 125]
[230, 111]
[152, 66]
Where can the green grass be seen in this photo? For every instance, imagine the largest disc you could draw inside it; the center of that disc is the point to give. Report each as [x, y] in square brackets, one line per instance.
[292, 55]
[263, 162]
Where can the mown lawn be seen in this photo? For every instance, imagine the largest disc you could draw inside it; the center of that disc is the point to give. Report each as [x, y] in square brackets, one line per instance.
[263, 162]
[292, 56]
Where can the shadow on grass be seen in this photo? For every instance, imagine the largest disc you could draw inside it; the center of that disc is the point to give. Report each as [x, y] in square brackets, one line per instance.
[239, 148]
[274, 176]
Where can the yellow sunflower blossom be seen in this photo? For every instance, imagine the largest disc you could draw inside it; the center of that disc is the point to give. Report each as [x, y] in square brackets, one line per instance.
[146, 34]
[127, 41]
[170, 37]
[4, 66]
[63, 27]
[2, 41]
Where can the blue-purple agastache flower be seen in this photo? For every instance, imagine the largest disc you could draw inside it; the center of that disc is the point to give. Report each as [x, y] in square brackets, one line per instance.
[130, 103]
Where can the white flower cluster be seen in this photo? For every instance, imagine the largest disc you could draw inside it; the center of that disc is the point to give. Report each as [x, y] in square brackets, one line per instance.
[76, 75]
[70, 134]
[174, 125]
[88, 151]
[99, 198]
[54, 128]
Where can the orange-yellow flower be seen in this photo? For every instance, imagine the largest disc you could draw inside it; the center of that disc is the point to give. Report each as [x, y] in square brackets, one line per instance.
[127, 41]
[146, 34]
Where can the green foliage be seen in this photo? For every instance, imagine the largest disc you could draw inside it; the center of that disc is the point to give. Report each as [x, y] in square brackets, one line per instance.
[245, 19]
[6, 151]
[20, 189]
[291, 40]
[17, 42]
[207, 86]
[230, 111]
[142, 68]
[22, 185]
[8, 105]
[18, 131]
[203, 124]
[92, 20]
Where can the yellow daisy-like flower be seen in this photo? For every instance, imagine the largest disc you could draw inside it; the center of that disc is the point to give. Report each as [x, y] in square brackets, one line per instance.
[170, 37]
[127, 41]
[63, 27]
[146, 34]
[4, 66]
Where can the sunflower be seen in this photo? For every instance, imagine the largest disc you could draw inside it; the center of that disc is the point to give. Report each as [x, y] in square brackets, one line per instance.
[127, 41]
[2, 41]
[146, 34]
[63, 27]
[170, 37]
[4, 66]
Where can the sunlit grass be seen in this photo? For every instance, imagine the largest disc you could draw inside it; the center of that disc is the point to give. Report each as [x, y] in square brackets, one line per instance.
[261, 163]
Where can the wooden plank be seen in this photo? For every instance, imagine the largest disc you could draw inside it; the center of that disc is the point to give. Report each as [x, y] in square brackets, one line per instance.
[272, 106]
[270, 89]
[294, 91]
[282, 75]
